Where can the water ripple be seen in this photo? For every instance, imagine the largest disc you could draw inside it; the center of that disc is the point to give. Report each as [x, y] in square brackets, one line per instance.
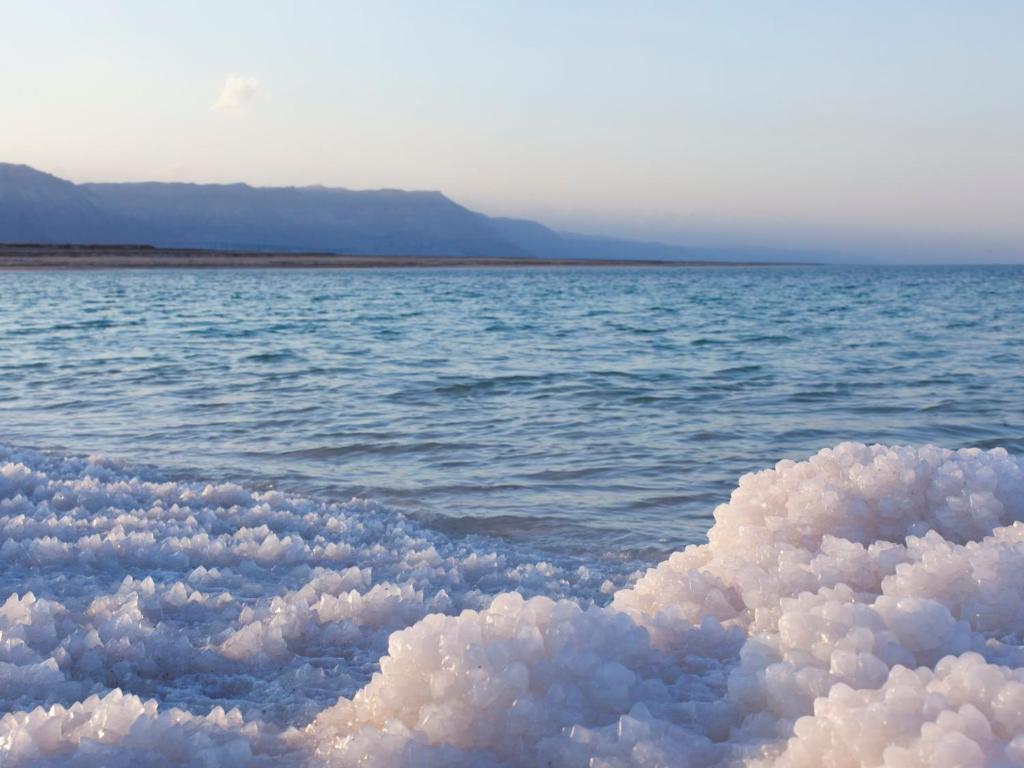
[590, 409]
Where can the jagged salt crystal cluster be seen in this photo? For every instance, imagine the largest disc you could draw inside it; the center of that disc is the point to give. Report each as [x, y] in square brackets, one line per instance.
[861, 608]
[114, 581]
[119, 730]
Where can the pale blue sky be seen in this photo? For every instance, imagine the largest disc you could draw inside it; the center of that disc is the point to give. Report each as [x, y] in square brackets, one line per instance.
[848, 124]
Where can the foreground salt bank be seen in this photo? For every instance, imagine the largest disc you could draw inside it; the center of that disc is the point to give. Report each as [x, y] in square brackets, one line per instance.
[859, 608]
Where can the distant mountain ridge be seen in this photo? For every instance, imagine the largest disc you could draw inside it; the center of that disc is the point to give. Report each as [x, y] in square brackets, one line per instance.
[36, 207]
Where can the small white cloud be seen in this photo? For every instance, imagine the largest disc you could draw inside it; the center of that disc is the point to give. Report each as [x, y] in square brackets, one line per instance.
[237, 93]
[174, 172]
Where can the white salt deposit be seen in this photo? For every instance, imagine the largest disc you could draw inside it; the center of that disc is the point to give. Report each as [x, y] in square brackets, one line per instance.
[861, 608]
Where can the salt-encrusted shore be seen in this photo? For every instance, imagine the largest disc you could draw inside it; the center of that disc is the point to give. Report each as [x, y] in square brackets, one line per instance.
[863, 607]
[62, 257]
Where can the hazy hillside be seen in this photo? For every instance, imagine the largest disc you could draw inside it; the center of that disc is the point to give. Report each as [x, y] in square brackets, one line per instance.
[39, 208]
[300, 218]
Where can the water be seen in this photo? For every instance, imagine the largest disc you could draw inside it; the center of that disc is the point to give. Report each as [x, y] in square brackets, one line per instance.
[592, 411]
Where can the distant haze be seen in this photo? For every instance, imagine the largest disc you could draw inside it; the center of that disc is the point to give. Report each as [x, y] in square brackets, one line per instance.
[893, 130]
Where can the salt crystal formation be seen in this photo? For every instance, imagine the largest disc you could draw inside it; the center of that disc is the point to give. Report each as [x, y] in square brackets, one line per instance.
[861, 608]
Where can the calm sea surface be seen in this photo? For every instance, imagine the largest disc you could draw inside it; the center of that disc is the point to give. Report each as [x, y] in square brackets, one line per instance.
[585, 410]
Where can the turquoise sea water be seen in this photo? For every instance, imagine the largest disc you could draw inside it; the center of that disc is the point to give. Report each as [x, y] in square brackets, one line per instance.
[585, 410]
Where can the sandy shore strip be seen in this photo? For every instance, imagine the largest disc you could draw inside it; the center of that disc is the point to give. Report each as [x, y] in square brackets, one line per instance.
[61, 257]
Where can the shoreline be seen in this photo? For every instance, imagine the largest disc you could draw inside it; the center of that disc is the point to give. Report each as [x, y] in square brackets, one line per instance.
[40, 257]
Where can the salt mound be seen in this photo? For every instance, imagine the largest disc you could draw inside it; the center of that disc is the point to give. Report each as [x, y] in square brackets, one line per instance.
[859, 608]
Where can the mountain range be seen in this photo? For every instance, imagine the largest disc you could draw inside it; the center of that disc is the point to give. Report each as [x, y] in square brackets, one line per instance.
[37, 207]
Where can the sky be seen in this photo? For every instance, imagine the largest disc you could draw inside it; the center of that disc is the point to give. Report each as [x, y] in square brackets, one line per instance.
[887, 127]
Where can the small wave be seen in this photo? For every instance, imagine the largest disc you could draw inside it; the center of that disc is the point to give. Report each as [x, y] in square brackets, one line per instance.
[497, 383]
[705, 341]
[736, 370]
[373, 448]
[275, 356]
